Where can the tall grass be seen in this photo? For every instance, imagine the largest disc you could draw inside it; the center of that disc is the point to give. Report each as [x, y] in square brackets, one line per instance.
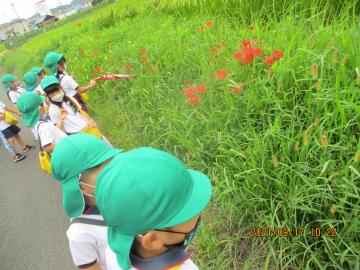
[284, 153]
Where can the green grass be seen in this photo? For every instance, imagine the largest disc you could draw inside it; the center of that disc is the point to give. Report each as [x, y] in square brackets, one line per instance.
[280, 154]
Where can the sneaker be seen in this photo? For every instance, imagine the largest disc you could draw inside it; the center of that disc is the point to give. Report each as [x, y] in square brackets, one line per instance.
[18, 157]
[28, 148]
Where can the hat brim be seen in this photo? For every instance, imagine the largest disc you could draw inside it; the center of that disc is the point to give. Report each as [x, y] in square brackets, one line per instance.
[198, 200]
[72, 199]
[121, 244]
[30, 119]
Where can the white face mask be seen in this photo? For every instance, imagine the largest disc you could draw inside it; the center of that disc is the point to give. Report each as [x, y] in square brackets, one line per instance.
[59, 97]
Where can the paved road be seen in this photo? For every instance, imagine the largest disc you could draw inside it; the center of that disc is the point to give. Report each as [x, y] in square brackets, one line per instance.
[32, 221]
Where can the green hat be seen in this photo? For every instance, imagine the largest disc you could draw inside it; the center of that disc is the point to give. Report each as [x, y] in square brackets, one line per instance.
[146, 189]
[48, 80]
[36, 70]
[73, 155]
[6, 79]
[51, 60]
[28, 104]
[31, 81]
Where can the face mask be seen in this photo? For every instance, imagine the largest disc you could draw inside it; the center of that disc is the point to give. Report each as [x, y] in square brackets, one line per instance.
[88, 195]
[58, 98]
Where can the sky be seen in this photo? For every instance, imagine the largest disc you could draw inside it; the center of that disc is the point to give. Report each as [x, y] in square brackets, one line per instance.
[25, 8]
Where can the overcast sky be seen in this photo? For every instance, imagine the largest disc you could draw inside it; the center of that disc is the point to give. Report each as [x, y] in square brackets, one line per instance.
[25, 8]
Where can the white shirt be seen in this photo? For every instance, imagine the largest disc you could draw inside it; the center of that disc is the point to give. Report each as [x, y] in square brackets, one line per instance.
[3, 123]
[15, 94]
[48, 133]
[74, 122]
[112, 263]
[69, 85]
[88, 243]
[38, 90]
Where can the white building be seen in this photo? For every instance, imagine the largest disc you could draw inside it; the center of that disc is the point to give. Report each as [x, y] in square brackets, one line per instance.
[14, 28]
[42, 8]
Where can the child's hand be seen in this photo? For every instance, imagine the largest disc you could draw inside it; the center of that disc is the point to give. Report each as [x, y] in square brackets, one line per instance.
[19, 114]
[92, 124]
[63, 114]
[2, 116]
[93, 83]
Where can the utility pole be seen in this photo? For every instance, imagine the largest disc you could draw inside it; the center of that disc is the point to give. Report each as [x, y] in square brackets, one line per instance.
[13, 7]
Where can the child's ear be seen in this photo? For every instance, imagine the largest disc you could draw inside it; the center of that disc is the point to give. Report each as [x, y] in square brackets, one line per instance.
[151, 241]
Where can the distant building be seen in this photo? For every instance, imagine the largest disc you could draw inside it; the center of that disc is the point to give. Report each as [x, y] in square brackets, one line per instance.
[44, 20]
[42, 8]
[14, 28]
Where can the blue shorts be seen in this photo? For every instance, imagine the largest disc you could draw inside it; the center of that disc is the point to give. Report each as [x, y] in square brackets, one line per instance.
[11, 131]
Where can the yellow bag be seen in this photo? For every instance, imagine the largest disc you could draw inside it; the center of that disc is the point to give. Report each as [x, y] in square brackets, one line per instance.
[45, 162]
[92, 131]
[10, 118]
[84, 97]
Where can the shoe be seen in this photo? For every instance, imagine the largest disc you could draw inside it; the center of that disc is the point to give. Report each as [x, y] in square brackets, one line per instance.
[18, 157]
[28, 148]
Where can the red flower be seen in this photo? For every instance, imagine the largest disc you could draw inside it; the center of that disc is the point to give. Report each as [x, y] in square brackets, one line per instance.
[186, 81]
[209, 24]
[246, 44]
[190, 91]
[201, 88]
[144, 59]
[97, 70]
[128, 67]
[268, 61]
[142, 52]
[95, 53]
[202, 28]
[237, 89]
[256, 51]
[277, 54]
[193, 100]
[152, 69]
[221, 74]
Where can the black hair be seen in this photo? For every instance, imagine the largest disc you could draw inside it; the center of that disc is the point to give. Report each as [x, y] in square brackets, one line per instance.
[51, 88]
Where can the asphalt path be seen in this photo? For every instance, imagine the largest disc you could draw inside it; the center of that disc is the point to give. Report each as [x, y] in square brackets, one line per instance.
[32, 222]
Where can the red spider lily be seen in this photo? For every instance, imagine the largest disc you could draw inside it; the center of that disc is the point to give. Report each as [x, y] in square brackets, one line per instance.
[277, 54]
[144, 60]
[201, 88]
[97, 70]
[209, 24]
[95, 53]
[237, 89]
[142, 52]
[247, 54]
[193, 100]
[152, 69]
[128, 67]
[221, 74]
[202, 28]
[268, 61]
[186, 82]
[190, 91]
[217, 48]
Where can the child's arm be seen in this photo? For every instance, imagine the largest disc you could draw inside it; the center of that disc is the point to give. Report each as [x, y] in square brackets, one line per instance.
[62, 116]
[49, 148]
[13, 109]
[83, 89]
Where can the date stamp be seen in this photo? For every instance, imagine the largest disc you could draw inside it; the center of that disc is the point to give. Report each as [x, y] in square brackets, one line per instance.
[292, 232]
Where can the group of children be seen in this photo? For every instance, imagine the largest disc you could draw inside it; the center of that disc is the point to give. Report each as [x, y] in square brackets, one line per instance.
[136, 209]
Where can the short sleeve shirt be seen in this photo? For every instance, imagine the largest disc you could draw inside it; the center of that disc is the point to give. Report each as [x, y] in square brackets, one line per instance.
[69, 85]
[48, 133]
[74, 121]
[3, 123]
[15, 94]
[88, 243]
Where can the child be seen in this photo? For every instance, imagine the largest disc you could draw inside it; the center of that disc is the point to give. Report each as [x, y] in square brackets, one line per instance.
[31, 107]
[9, 148]
[11, 133]
[150, 201]
[12, 87]
[32, 83]
[56, 63]
[60, 112]
[40, 73]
